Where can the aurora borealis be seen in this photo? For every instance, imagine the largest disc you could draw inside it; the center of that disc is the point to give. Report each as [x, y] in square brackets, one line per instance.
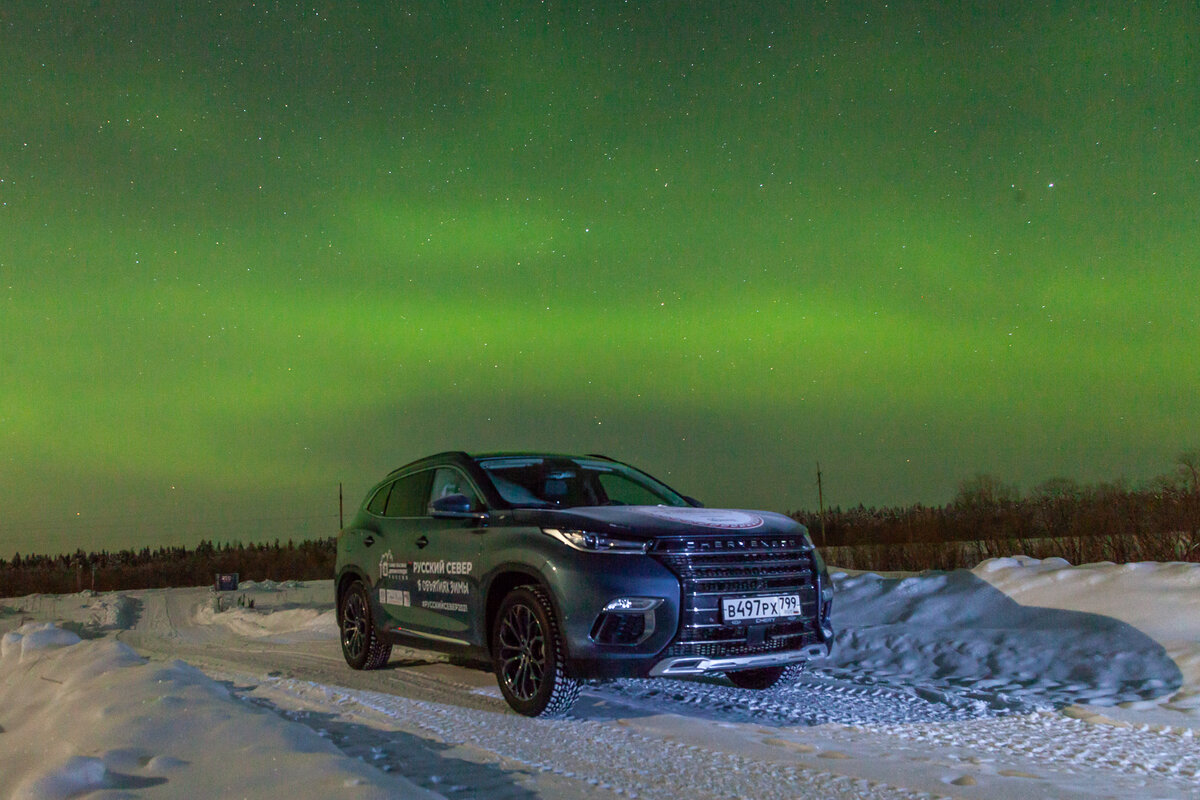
[250, 251]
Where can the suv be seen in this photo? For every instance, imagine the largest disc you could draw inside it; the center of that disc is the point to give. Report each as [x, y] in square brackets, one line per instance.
[557, 569]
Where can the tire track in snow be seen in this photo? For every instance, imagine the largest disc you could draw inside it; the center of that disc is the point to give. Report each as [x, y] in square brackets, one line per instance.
[1052, 741]
[813, 700]
[605, 755]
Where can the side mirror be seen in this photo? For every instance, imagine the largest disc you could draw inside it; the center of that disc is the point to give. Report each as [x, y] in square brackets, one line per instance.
[454, 506]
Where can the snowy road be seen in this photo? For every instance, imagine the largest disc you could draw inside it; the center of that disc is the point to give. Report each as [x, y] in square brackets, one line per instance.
[931, 719]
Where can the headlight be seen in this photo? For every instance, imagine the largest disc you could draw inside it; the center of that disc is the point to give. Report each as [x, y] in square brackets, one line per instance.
[589, 542]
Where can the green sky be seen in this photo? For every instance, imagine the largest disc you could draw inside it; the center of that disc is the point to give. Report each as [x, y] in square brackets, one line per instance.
[247, 253]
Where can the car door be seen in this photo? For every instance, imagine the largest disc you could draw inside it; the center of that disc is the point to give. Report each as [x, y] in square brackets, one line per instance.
[442, 558]
[400, 524]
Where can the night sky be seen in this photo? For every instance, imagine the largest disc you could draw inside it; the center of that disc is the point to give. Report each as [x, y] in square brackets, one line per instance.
[250, 251]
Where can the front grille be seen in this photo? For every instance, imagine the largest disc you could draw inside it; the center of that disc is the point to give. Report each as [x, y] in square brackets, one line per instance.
[710, 568]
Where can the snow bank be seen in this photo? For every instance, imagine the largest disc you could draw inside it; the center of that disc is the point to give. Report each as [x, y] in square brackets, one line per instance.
[112, 611]
[269, 585]
[1026, 634]
[1162, 600]
[290, 624]
[33, 638]
[82, 716]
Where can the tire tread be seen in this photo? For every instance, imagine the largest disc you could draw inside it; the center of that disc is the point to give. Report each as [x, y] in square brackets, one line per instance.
[564, 690]
[378, 651]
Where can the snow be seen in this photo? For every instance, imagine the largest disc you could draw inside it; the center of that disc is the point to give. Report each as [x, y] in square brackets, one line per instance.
[1162, 601]
[960, 630]
[1017, 678]
[283, 625]
[30, 640]
[80, 716]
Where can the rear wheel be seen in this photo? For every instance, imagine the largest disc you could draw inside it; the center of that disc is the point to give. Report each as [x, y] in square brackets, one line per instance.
[361, 645]
[766, 677]
[528, 655]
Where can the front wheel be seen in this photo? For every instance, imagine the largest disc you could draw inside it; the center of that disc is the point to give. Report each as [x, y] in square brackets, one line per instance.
[361, 645]
[528, 656]
[766, 677]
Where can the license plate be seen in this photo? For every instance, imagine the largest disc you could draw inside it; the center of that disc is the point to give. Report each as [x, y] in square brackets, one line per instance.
[755, 609]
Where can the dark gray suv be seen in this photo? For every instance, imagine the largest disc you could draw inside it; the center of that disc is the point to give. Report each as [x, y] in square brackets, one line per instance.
[556, 569]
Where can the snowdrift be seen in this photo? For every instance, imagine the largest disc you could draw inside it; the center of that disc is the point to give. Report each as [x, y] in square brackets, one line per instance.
[81, 716]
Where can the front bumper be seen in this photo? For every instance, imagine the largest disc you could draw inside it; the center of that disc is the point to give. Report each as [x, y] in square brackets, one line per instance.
[692, 665]
[685, 633]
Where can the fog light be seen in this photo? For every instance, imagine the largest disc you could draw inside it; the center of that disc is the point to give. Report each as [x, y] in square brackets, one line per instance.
[614, 628]
[626, 621]
[634, 604]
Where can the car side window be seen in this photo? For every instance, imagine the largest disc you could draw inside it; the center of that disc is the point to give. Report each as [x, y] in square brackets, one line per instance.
[379, 501]
[409, 495]
[448, 481]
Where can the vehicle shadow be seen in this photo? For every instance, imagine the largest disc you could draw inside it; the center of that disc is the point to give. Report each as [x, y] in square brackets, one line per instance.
[409, 662]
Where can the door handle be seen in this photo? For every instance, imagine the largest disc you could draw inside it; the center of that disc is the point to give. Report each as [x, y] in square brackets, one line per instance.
[369, 540]
[422, 541]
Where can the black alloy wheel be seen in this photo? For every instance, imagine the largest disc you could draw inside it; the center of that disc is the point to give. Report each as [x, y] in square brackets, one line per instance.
[528, 657]
[361, 645]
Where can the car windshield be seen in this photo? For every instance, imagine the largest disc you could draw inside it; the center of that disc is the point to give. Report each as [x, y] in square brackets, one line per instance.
[556, 482]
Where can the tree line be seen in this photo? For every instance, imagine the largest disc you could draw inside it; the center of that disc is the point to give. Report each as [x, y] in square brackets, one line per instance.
[987, 518]
[1159, 521]
[986, 509]
[166, 566]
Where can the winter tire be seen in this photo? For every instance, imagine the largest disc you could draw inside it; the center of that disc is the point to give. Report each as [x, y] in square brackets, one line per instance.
[361, 645]
[528, 655]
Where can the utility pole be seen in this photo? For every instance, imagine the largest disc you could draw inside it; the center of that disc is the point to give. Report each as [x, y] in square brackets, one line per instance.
[821, 503]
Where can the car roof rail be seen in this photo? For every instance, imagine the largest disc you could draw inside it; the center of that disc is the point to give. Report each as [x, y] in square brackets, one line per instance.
[445, 454]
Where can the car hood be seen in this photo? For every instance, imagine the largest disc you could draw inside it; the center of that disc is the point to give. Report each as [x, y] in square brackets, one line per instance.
[651, 521]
